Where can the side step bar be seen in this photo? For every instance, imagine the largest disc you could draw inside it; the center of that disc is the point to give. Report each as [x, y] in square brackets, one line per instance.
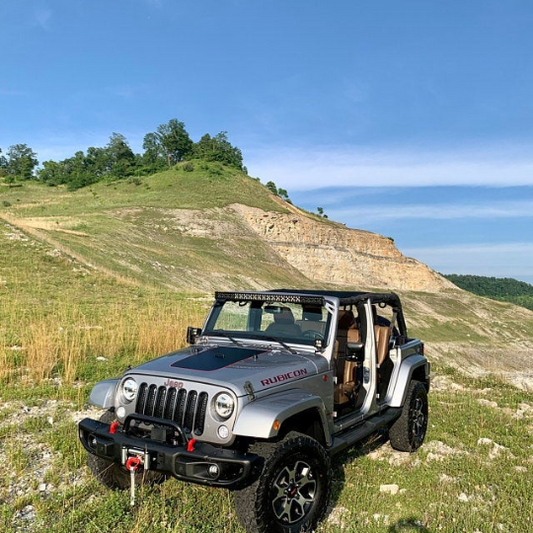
[351, 436]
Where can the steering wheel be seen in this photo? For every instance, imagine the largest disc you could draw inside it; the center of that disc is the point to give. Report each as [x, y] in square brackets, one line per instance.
[311, 334]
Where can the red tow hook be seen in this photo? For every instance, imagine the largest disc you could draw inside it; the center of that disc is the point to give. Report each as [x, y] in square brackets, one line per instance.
[133, 463]
[113, 427]
[190, 445]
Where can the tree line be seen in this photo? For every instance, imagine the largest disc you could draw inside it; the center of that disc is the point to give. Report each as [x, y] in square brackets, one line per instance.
[504, 289]
[168, 145]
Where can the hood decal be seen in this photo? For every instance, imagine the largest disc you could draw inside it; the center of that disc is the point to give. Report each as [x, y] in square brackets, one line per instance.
[216, 358]
[284, 377]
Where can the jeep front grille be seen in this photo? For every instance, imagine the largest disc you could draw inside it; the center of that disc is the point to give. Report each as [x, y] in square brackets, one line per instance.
[186, 408]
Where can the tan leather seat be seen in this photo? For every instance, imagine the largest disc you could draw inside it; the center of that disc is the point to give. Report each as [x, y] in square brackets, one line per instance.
[284, 325]
[345, 373]
[382, 335]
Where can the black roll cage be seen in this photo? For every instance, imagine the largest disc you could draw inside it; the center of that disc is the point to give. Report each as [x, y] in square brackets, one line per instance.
[346, 298]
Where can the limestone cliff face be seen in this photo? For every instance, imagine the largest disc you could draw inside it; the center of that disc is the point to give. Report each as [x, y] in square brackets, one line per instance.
[328, 252]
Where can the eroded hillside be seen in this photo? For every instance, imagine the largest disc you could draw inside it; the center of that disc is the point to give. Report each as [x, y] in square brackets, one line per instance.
[331, 253]
[211, 229]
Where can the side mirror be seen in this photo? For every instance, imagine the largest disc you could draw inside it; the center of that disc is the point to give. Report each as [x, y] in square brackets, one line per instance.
[319, 344]
[193, 334]
[355, 351]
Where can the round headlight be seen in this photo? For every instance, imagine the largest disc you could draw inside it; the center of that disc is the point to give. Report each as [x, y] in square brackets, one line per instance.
[129, 389]
[224, 405]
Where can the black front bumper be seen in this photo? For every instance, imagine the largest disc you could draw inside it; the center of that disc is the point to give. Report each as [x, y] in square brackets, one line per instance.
[196, 466]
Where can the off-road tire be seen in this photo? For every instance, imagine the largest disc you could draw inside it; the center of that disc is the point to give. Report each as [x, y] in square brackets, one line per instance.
[408, 432]
[115, 476]
[291, 489]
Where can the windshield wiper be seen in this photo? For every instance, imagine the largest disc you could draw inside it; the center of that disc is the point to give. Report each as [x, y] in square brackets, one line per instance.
[275, 339]
[219, 333]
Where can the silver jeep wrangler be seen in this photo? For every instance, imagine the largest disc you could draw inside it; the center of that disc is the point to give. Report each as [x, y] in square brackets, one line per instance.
[272, 386]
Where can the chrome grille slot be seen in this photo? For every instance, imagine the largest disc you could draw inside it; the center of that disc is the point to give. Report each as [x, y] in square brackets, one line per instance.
[186, 408]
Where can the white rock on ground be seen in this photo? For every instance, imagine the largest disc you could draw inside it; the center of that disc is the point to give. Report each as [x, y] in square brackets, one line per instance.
[336, 516]
[487, 403]
[438, 451]
[390, 489]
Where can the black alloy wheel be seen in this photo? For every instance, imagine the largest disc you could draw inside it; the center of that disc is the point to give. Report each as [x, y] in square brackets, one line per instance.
[291, 490]
[408, 432]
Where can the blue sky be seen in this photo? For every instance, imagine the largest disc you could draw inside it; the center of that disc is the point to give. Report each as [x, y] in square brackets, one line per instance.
[409, 118]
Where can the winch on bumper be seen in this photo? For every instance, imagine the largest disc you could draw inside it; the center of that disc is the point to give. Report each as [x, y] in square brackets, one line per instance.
[187, 460]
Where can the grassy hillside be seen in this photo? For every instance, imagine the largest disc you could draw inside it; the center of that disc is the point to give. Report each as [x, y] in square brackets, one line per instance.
[87, 287]
[209, 185]
[172, 229]
[504, 289]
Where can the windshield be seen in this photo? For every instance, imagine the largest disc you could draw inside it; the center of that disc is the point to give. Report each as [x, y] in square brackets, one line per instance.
[283, 321]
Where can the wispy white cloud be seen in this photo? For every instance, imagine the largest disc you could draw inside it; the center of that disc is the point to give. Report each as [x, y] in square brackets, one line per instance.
[437, 211]
[42, 18]
[500, 260]
[305, 169]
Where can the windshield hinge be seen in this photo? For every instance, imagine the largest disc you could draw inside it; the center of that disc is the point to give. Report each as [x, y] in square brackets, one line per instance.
[248, 387]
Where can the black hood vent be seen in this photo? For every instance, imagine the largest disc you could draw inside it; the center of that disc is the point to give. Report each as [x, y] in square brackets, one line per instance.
[216, 358]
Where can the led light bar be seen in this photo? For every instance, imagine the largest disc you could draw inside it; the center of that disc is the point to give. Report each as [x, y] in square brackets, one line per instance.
[269, 297]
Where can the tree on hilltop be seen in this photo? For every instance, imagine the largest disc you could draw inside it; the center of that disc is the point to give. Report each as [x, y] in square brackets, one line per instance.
[282, 193]
[121, 159]
[3, 164]
[218, 149]
[271, 186]
[154, 155]
[115, 160]
[170, 143]
[21, 162]
[97, 161]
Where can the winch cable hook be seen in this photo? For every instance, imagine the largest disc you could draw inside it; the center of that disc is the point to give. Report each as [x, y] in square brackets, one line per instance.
[132, 465]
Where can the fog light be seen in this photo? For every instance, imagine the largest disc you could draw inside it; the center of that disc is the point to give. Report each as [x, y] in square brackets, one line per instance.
[121, 413]
[223, 432]
[213, 471]
[92, 442]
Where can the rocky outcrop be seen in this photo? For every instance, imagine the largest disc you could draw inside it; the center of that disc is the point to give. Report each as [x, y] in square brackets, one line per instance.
[327, 252]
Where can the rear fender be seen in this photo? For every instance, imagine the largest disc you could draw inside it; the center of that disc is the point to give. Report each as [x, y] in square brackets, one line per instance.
[103, 393]
[258, 417]
[412, 367]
